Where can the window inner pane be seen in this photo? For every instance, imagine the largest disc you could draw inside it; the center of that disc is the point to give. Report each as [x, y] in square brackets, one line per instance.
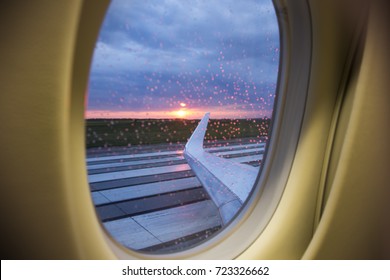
[159, 67]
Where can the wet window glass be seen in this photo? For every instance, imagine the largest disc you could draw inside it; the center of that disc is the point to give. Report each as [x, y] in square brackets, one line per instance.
[179, 107]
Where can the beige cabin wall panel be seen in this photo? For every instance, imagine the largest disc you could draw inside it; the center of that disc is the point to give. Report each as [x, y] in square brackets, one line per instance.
[355, 223]
[37, 53]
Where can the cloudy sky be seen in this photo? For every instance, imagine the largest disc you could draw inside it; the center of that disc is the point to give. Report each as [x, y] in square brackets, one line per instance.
[182, 58]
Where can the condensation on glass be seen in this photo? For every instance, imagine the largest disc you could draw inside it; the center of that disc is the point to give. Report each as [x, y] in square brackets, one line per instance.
[162, 180]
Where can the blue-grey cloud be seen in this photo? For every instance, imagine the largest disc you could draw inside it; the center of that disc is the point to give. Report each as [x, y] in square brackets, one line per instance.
[152, 53]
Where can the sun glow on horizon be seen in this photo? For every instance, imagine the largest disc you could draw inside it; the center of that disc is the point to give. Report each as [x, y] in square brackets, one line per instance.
[182, 113]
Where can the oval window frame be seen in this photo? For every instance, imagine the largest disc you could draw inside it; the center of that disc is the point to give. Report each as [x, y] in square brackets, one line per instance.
[292, 87]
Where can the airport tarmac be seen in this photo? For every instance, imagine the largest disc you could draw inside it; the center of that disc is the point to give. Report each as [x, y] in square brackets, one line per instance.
[149, 199]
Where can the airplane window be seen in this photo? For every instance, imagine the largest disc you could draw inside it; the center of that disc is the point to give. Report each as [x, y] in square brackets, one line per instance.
[179, 107]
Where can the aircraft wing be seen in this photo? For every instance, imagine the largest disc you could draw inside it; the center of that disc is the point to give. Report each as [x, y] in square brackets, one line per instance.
[228, 183]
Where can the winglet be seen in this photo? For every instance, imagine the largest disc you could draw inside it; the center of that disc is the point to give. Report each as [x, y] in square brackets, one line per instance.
[228, 183]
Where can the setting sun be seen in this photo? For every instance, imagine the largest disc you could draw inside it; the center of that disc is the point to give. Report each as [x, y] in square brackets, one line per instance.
[181, 113]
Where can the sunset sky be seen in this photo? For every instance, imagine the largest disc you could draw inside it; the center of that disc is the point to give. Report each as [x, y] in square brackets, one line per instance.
[180, 59]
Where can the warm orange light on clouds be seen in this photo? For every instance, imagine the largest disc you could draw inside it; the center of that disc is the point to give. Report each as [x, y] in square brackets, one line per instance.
[182, 113]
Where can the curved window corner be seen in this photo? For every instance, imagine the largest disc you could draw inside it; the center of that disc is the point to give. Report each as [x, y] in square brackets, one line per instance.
[181, 99]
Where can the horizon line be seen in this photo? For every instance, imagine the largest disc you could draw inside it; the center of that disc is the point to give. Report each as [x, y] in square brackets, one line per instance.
[163, 118]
